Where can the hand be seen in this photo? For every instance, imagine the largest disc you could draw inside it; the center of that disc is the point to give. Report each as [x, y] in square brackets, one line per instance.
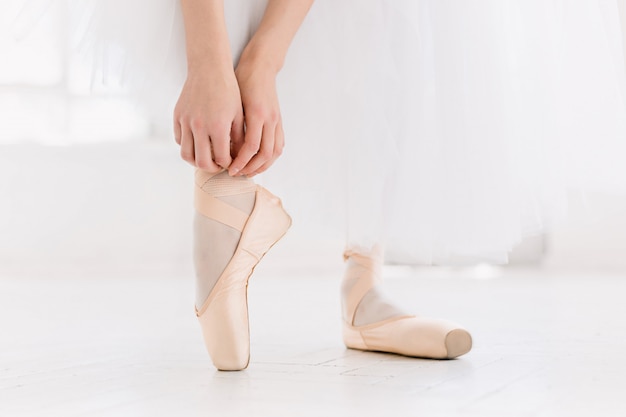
[207, 117]
[264, 138]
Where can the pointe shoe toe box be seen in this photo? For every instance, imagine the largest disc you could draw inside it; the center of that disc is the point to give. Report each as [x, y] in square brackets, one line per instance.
[458, 342]
[225, 331]
[411, 336]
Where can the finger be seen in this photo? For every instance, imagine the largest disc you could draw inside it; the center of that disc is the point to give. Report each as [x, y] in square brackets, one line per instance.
[252, 141]
[266, 151]
[221, 148]
[237, 135]
[279, 145]
[177, 131]
[203, 152]
[186, 146]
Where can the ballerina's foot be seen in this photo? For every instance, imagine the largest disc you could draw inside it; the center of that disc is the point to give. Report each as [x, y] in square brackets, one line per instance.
[370, 322]
[223, 315]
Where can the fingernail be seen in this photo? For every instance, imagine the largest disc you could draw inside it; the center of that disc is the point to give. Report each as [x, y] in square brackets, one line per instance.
[233, 172]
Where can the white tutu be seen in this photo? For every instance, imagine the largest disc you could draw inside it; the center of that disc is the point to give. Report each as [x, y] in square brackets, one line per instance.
[451, 129]
[447, 129]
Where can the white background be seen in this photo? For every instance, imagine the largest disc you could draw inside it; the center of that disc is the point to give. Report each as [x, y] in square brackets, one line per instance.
[87, 181]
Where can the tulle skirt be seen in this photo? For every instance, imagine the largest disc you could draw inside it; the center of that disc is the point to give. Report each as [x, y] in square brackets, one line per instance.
[445, 129]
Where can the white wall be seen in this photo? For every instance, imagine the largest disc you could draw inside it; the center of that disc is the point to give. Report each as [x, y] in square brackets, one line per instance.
[94, 206]
[593, 237]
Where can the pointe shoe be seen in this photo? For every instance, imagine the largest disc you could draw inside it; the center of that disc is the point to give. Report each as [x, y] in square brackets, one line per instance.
[407, 335]
[224, 315]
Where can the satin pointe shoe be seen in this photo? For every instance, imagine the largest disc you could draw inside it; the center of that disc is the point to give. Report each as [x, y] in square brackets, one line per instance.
[224, 315]
[408, 335]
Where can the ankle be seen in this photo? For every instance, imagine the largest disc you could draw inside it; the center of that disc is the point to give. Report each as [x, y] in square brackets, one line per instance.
[237, 192]
[216, 238]
[361, 297]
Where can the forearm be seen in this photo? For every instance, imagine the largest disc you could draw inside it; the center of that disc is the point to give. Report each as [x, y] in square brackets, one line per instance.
[279, 25]
[206, 36]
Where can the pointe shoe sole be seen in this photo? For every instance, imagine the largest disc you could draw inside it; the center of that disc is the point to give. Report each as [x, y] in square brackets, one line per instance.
[410, 336]
[224, 315]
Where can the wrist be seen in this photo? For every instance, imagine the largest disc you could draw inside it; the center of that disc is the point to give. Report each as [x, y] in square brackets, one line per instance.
[206, 60]
[261, 56]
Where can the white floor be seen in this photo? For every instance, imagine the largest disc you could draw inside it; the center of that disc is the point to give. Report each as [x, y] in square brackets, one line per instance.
[546, 344]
